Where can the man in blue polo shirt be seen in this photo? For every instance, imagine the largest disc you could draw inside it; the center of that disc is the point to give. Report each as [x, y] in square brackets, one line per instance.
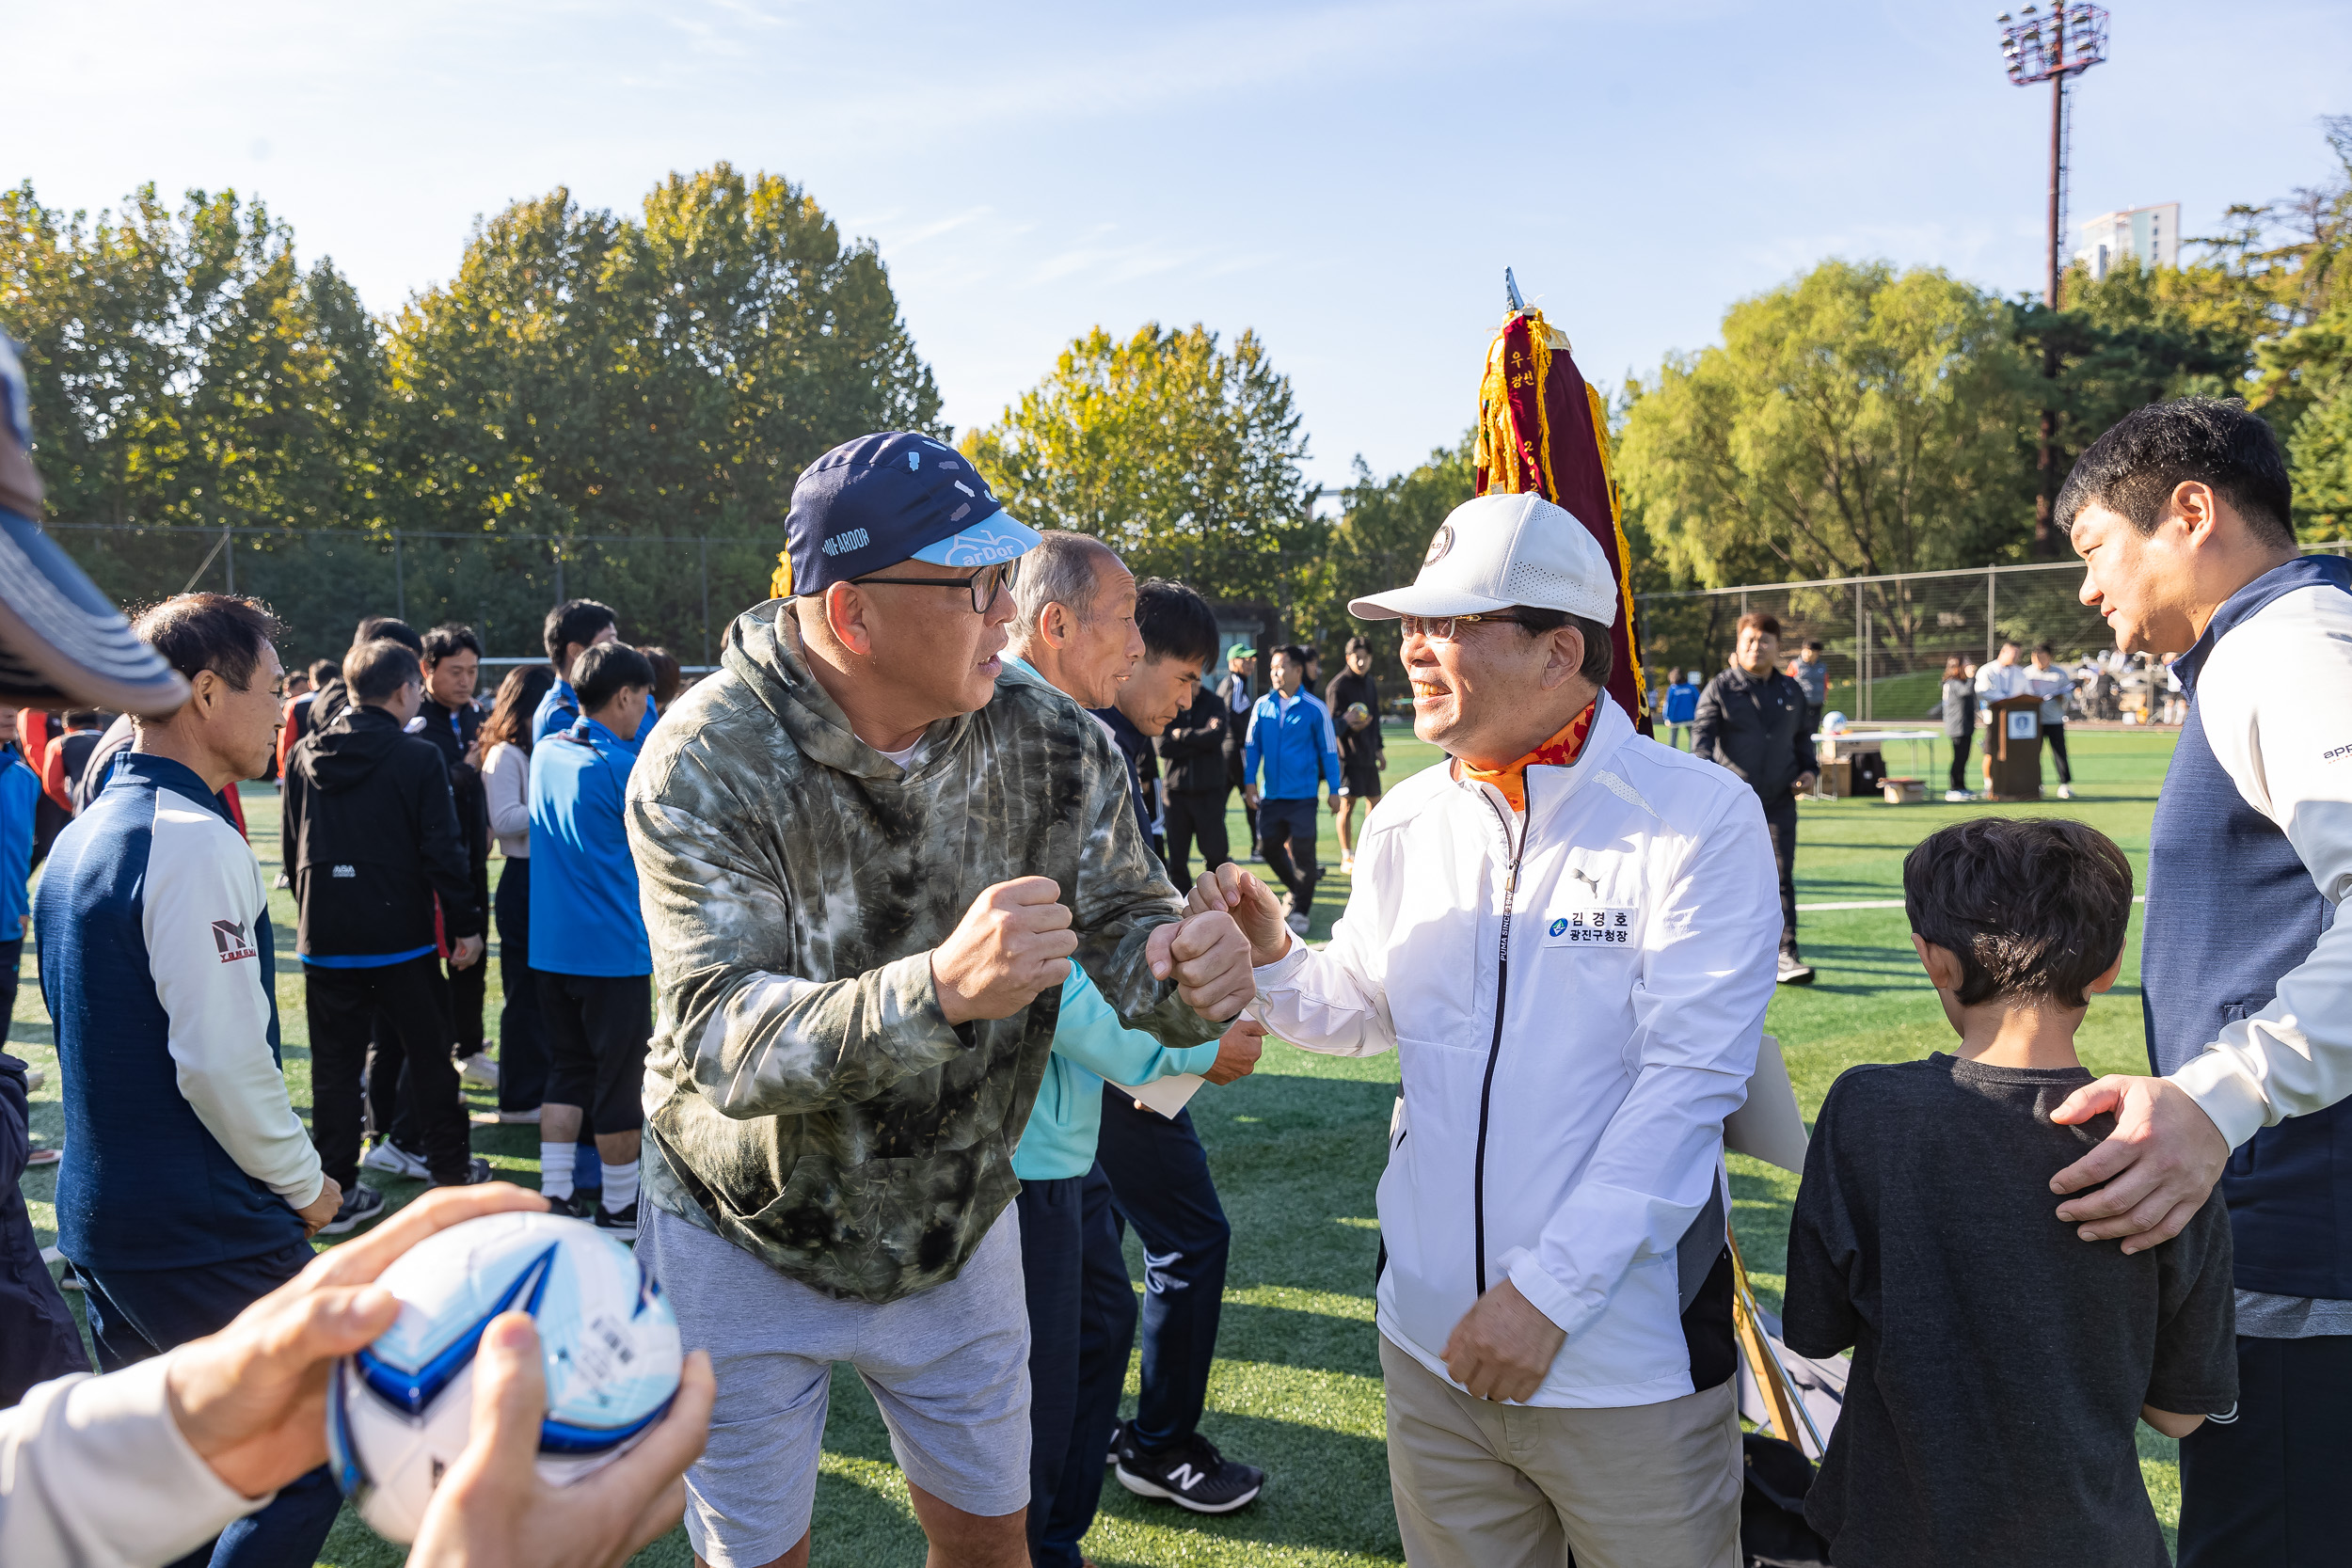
[588, 946]
[1289, 733]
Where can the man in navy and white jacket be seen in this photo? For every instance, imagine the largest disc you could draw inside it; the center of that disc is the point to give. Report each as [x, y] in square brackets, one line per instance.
[1568, 935]
[189, 1188]
[2182, 513]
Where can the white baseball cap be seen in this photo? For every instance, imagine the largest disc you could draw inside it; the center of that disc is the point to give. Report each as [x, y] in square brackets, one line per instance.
[1498, 550]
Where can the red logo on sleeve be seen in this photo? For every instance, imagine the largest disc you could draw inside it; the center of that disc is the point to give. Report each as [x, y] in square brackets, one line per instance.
[231, 938]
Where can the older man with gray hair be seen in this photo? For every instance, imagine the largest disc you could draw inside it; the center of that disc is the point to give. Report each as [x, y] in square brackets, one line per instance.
[1568, 935]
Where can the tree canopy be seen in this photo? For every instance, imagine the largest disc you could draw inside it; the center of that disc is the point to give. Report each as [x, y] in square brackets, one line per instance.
[1182, 455]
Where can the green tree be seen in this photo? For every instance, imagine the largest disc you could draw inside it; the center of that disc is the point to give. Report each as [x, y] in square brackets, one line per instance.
[1380, 542]
[1180, 456]
[1853, 423]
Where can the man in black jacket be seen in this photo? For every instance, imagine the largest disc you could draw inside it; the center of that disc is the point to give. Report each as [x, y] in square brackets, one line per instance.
[451, 721]
[1195, 772]
[1751, 719]
[375, 842]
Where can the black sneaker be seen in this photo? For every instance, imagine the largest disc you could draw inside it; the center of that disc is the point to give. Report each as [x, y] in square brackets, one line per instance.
[619, 1223]
[1191, 1475]
[573, 1208]
[477, 1172]
[1118, 1436]
[359, 1204]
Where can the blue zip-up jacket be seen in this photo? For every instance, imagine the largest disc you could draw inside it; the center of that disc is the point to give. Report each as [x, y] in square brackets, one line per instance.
[1295, 739]
[20, 797]
[2233, 907]
[1682, 702]
[584, 914]
[1091, 1047]
[156, 960]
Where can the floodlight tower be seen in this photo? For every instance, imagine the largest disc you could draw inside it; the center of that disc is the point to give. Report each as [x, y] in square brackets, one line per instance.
[2066, 40]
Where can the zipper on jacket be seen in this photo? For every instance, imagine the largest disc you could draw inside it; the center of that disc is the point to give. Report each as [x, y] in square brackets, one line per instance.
[1494, 1046]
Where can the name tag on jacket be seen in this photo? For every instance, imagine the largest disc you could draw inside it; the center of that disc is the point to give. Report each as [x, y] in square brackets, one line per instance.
[1593, 925]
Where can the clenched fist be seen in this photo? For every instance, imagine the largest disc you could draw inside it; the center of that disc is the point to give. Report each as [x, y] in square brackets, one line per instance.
[1209, 960]
[1251, 904]
[1014, 941]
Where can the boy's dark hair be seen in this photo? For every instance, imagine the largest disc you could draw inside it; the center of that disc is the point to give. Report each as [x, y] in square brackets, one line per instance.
[1762, 620]
[2034, 907]
[2135, 468]
[373, 627]
[219, 632]
[575, 621]
[1176, 623]
[668, 676]
[451, 636]
[606, 671]
[1359, 645]
[1601, 653]
[323, 670]
[376, 671]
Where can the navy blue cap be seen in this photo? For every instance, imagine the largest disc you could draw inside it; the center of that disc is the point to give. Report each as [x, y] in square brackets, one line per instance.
[880, 500]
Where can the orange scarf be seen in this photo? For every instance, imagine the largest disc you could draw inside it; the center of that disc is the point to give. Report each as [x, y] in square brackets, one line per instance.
[1558, 752]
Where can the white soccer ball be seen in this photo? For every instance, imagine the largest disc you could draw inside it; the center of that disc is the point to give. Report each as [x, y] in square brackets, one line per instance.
[1832, 722]
[399, 1410]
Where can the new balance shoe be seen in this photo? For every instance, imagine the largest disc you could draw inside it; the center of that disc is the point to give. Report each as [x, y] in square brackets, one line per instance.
[477, 1172]
[392, 1160]
[619, 1223]
[359, 1204]
[479, 1070]
[1191, 1475]
[1794, 971]
[573, 1207]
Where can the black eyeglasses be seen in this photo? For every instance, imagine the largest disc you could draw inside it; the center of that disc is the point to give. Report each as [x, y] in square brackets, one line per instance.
[984, 584]
[1441, 628]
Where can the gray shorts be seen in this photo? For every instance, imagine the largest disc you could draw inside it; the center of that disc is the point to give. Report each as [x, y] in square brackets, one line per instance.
[949, 1368]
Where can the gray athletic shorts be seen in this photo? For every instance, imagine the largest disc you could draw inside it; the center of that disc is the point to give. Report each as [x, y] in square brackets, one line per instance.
[949, 1368]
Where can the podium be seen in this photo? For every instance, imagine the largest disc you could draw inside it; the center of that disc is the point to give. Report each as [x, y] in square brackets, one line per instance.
[2012, 749]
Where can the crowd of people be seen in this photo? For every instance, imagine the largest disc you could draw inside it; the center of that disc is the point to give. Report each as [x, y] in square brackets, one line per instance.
[851, 986]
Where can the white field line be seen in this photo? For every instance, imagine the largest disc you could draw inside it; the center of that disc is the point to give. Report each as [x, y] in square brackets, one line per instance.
[1891, 904]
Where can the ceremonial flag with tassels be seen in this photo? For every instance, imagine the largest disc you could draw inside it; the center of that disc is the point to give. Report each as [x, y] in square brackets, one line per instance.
[1541, 427]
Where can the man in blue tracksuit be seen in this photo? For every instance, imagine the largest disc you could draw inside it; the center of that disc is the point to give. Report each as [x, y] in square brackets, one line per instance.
[589, 952]
[573, 628]
[190, 1187]
[2180, 513]
[1291, 735]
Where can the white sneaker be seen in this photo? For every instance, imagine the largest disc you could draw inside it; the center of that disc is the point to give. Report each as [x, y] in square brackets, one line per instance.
[479, 1070]
[392, 1160]
[1795, 972]
[1348, 865]
[1297, 922]
[2066, 792]
[1957, 796]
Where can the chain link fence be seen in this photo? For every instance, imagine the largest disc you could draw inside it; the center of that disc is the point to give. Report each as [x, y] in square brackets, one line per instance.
[677, 593]
[1886, 637]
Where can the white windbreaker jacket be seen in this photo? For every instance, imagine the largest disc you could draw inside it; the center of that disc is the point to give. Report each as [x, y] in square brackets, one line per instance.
[1575, 1002]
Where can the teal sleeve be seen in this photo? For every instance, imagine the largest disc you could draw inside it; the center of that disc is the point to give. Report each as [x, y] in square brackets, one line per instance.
[1089, 1035]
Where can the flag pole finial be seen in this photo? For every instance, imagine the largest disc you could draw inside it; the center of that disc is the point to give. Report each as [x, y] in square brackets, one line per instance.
[1511, 291]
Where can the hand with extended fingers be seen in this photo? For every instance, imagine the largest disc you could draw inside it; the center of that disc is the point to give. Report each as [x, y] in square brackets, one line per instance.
[1252, 906]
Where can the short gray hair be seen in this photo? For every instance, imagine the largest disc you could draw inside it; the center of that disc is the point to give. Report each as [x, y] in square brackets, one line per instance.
[1061, 570]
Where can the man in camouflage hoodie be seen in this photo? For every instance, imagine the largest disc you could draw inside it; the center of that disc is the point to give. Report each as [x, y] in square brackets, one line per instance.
[866, 862]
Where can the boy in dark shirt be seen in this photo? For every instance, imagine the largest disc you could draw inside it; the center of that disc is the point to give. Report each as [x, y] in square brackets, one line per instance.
[2000, 1363]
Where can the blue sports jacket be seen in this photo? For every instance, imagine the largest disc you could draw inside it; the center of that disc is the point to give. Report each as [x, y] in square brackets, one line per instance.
[1294, 739]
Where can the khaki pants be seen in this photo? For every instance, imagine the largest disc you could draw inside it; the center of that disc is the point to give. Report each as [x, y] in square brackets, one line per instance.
[1485, 1485]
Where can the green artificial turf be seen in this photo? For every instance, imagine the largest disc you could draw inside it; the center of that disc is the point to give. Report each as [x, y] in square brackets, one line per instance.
[1296, 1150]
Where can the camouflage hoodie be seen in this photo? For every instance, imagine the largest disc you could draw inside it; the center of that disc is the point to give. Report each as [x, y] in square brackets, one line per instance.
[805, 1098]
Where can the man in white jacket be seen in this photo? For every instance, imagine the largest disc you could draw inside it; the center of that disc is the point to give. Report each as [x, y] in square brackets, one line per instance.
[1569, 936]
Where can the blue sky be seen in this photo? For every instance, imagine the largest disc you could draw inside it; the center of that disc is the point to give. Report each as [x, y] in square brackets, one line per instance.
[1348, 179]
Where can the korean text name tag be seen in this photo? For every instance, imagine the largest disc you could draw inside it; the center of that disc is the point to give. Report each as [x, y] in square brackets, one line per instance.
[1593, 925]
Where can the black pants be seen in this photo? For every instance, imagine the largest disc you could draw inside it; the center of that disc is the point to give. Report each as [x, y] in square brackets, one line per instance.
[341, 1004]
[138, 1313]
[598, 1028]
[1959, 775]
[1076, 1330]
[2266, 1490]
[12, 966]
[522, 1047]
[1288, 835]
[468, 998]
[1780, 821]
[1158, 1177]
[2054, 741]
[1196, 815]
